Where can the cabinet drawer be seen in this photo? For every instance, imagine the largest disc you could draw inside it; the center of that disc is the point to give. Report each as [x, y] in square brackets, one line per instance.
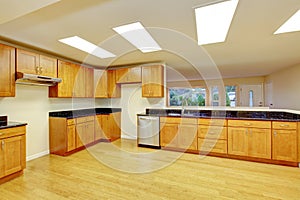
[219, 146]
[70, 122]
[284, 125]
[178, 120]
[9, 132]
[213, 132]
[212, 122]
[249, 123]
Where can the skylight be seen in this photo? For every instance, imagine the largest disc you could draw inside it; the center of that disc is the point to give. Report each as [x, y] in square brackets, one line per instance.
[213, 21]
[291, 25]
[137, 35]
[87, 47]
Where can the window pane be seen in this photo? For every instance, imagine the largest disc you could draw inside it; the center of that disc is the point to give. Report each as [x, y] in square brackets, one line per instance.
[230, 95]
[215, 96]
[191, 96]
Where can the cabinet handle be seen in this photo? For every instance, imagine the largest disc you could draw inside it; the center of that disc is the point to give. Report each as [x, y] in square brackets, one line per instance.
[1, 134]
[2, 144]
[284, 125]
[246, 131]
[247, 124]
[275, 133]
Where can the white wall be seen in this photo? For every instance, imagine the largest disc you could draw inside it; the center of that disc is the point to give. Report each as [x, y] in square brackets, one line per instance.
[132, 103]
[32, 105]
[282, 88]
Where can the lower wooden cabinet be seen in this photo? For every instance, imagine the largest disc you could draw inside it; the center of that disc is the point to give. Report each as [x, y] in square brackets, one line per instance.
[67, 135]
[212, 136]
[85, 131]
[178, 133]
[12, 151]
[107, 126]
[284, 141]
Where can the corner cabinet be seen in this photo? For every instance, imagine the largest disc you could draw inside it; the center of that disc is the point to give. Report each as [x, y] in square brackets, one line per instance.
[153, 81]
[106, 85]
[7, 71]
[108, 126]
[77, 81]
[12, 152]
[33, 63]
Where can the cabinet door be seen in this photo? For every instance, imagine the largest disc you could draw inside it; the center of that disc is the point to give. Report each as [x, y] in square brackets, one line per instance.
[237, 141]
[105, 125]
[212, 145]
[134, 75]
[101, 83]
[284, 145]
[122, 75]
[28, 62]
[152, 81]
[7, 71]
[113, 89]
[259, 143]
[48, 66]
[115, 122]
[89, 82]
[168, 135]
[71, 141]
[79, 84]
[14, 154]
[187, 137]
[67, 72]
[80, 134]
[89, 132]
[98, 128]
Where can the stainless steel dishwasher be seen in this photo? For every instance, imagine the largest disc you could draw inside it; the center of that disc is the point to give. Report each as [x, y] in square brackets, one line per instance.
[148, 132]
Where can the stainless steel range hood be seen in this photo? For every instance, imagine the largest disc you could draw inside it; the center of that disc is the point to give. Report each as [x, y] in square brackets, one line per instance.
[33, 79]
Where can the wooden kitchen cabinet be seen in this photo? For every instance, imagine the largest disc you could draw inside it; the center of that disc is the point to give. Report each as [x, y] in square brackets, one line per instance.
[284, 141]
[129, 75]
[249, 138]
[85, 127]
[180, 133]
[12, 152]
[77, 81]
[153, 81]
[7, 71]
[33, 63]
[110, 125]
[106, 86]
[212, 135]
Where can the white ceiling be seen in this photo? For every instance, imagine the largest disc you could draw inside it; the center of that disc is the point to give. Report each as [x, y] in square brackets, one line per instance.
[251, 49]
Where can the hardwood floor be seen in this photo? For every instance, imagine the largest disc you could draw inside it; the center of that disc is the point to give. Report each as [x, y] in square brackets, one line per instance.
[81, 176]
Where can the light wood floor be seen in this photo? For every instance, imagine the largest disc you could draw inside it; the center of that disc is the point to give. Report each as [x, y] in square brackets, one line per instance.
[81, 176]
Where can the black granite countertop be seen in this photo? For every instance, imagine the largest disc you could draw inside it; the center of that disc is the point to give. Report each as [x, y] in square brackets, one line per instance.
[248, 115]
[83, 112]
[11, 124]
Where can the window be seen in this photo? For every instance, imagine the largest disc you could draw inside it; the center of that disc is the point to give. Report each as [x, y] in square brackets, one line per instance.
[215, 98]
[230, 95]
[190, 96]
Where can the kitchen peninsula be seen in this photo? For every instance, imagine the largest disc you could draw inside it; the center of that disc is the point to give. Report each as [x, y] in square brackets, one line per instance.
[262, 134]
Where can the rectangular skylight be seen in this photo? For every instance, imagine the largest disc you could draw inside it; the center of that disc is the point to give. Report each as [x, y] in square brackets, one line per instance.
[291, 25]
[87, 47]
[137, 35]
[213, 21]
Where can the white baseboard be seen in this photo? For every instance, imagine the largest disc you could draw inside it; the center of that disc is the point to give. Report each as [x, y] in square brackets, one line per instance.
[32, 157]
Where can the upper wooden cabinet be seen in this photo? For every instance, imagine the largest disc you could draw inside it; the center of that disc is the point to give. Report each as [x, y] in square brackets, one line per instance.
[77, 81]
[153, 81]
[7, 71]
[106, 86]
[33, 63]
[129, 75]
